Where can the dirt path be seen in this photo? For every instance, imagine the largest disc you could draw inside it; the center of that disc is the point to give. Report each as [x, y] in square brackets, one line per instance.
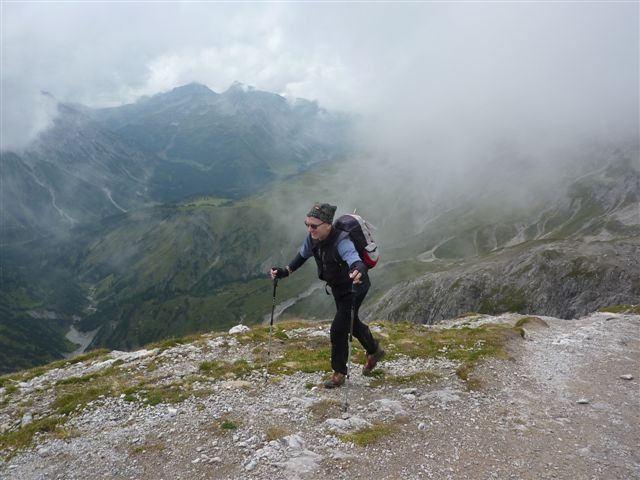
[560, 409]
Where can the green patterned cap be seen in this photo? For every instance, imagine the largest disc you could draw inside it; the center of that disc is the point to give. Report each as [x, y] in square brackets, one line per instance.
[323, 211]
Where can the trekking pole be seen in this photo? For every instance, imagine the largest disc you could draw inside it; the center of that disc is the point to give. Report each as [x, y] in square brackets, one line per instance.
[273, 308]
[350, 341]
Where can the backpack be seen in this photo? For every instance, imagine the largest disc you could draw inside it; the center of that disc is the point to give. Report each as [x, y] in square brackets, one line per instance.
[360, 233]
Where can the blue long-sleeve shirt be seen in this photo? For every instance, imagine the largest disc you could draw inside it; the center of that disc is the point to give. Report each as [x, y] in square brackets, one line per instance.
[346, 250]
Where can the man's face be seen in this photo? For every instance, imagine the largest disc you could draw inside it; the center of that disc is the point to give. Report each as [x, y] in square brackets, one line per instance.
[318, 229]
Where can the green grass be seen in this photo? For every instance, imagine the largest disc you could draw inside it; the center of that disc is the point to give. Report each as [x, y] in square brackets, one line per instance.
[381, 378]
[465, 345]
[530, 320]
[32, 373]
[276, 433]
[19, 439]
[369, 435]
[221, 369]
[172, 342]
[629, 309]
[307, 355]
[71, 402]
[229, 425]
[326, 408]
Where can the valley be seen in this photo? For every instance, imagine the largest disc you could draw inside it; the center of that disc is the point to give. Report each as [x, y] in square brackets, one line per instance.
[133, 265]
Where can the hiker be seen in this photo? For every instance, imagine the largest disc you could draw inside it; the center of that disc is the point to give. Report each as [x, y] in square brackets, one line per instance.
[339, 265]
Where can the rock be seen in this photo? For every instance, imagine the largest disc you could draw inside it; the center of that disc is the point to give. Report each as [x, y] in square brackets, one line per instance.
[306, 462]
[408, 391]
[27, 419]
[295, 442]
[345, 426]
[238, 329]
[251, 465]
[385, 405]
[583, 401]
[44, 451]
[626, 376]
[172, 411]
[253, 441]
[445, 395]
[231, 384]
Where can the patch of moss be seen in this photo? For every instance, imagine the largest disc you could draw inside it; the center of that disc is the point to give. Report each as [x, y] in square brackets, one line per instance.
[19, 439]
[325, 408]
[276, 433]
[464, 372]
[32, 373]
[70, 402]
[174, 393]
[221, 369]
[303, 354]
[529, 321]
[629, 309]
[369, 435]
[154, 447]
[173, 342]
[9, 388]
[78, 380]
[228, 425]
[253, 336]
[400, 380]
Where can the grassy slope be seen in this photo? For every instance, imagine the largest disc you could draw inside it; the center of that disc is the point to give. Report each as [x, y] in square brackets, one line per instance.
[292, 352]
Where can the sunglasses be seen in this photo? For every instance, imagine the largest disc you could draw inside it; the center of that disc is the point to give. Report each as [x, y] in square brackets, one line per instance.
[313, 226]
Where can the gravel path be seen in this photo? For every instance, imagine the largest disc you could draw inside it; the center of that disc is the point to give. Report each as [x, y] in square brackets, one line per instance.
[565, 406]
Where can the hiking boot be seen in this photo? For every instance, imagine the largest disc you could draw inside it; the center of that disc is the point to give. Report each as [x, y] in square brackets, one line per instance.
[336, 380]
[372, 361]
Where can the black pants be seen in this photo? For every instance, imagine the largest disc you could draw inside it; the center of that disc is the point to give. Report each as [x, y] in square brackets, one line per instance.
[342, 324]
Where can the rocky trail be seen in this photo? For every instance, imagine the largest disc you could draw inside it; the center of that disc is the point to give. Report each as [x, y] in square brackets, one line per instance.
[565, 405]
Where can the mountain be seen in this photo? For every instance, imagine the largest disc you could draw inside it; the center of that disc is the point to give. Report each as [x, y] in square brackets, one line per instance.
[75, 172]
[185, 143]
[94, 171]
[230, 144]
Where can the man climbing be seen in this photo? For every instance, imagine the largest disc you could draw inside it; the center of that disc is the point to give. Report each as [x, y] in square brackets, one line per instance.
[340, 266]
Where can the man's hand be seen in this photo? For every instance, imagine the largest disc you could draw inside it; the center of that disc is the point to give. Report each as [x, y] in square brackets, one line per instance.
[355, 276]
[279, 272]
[358, 270]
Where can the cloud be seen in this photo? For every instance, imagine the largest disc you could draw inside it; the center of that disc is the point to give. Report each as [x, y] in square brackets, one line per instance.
[432, 70]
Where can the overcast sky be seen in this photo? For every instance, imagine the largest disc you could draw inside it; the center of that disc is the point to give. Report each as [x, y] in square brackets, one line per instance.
[475, 67]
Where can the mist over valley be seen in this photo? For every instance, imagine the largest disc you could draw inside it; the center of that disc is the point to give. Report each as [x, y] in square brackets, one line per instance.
[494, 148]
